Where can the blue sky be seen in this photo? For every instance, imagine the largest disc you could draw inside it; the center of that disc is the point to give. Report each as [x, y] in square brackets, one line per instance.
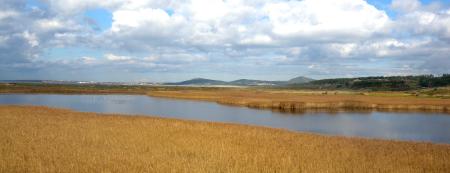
[102, 18]
[151, 40]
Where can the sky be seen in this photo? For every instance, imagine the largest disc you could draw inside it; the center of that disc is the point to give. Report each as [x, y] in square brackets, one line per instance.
[174, 40]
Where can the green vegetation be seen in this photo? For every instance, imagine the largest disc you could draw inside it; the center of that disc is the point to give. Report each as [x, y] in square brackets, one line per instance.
[392, 83]
[431, 81]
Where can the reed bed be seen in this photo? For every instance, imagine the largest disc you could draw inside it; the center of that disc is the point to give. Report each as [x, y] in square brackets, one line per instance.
[39, 139]
[297, 101]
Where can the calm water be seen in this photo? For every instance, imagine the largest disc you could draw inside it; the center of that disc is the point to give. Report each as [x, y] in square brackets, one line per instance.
[401, 126]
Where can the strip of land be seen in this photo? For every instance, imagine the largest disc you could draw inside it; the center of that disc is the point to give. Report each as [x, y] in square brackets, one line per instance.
[39, 139]
[301, 100]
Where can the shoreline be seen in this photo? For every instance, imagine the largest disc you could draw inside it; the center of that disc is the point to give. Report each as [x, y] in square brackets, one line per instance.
[49, 139]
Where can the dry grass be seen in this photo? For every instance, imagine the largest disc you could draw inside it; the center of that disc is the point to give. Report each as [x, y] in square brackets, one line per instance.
[38, 139]
[296, 101]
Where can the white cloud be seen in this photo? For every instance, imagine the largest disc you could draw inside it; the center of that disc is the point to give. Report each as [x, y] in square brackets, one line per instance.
[112, 57]
[180, 58]
[50, 24]
[138, 18]
[208, 10]
[425, 23]
[312, 66]
[73, 7]
[344, 50]
[151, 58]
[217, 23]
[8, 14]
[257, 40]
[31, 38]
[405, 5]
[323, 19]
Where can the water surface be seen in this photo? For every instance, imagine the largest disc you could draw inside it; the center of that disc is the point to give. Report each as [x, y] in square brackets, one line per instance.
[433, 127]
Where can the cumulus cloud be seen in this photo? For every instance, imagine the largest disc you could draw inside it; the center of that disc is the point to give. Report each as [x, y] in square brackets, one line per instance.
[218, 23]
[325, 20]
[335, 37]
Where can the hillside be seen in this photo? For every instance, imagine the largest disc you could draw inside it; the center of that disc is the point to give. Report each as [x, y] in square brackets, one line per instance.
[299, 80]
[200, 81]
[242, 82]
[394, 83]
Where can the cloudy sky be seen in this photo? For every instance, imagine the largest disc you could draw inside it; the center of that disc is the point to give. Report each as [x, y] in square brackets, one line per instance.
[172, 40]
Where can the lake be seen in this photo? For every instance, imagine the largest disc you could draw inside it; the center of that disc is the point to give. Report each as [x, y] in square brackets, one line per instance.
[433, 127]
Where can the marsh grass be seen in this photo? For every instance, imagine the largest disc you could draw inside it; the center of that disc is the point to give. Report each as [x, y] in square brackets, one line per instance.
[298, 101]
[39, 139]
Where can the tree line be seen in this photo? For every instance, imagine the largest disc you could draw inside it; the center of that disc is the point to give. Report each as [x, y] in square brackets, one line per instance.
[380, 82]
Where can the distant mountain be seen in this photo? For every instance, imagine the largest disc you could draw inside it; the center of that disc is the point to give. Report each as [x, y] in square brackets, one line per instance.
[299, 80]
[200, 81]
[249, 82]
[242, 82]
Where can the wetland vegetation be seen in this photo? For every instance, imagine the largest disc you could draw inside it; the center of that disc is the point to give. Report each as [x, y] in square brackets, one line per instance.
[39, 139]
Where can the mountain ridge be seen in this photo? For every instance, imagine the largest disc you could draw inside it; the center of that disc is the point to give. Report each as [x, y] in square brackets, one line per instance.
[242, 82]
